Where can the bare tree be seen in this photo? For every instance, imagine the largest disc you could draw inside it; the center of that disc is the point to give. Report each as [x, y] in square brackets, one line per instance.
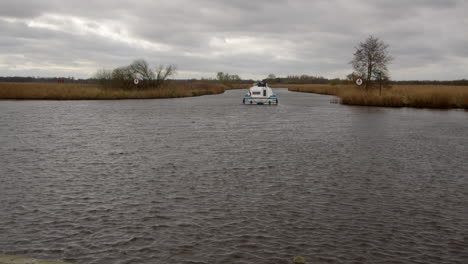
[228, 79]
[371, 56]
[123, 77]
[352, 77]
[162, 73]
[142, 70]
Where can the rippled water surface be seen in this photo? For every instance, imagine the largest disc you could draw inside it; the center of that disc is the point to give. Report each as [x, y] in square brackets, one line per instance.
[209, 180]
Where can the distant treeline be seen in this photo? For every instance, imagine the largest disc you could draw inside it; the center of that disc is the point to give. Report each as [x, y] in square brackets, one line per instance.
[299, 79]
[307, 79]
[292, 79]
[455, 82]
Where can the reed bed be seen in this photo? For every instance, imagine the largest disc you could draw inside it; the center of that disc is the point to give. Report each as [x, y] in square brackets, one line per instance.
[420, 96]
[55, 91]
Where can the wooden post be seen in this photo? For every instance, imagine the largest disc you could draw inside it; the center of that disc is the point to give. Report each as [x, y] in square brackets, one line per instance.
[380, 81]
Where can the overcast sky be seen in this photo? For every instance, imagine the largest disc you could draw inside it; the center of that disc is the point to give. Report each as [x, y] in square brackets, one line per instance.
[251, 38]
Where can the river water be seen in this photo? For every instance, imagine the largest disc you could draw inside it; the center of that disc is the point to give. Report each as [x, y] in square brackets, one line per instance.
[209, 180]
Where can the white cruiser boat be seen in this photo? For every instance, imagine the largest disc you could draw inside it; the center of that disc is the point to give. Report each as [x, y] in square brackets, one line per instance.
[260, 94]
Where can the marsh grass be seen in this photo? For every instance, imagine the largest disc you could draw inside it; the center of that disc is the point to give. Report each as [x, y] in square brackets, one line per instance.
[421, 96]
[54, 91]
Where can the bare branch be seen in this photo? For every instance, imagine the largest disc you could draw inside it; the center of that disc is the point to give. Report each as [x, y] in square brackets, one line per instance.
[371, 56]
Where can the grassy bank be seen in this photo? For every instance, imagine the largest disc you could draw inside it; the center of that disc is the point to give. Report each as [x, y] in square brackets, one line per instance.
[56, 91]
[421, 96]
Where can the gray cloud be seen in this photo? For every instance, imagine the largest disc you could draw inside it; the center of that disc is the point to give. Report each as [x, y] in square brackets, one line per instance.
[249, 38]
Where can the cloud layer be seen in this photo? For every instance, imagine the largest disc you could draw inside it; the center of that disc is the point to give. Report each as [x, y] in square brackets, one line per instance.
[249, 38]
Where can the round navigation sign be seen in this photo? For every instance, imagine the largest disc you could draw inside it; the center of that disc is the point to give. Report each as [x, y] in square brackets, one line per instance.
[136, 81]
[359, 81]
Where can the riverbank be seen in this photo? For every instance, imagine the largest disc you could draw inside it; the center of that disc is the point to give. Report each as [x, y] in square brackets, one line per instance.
[72, 91]
[419, 96]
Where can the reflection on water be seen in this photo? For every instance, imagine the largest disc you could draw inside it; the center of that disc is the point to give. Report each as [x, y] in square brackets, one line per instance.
[209, 180]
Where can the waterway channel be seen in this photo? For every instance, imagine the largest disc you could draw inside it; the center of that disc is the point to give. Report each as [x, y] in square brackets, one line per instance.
[210, 180]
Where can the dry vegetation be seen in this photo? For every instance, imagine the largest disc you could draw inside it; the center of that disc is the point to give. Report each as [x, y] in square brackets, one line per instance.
[55, 91]
[422, 96]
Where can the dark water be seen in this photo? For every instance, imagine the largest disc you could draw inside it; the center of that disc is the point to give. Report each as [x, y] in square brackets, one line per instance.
[209, 180]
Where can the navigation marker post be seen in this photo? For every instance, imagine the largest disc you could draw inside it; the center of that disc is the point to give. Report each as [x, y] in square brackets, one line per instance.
[359, 81]
[379, 74]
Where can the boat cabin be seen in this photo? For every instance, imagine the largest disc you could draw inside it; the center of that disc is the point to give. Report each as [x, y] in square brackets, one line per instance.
[260, 90]
[260, 94]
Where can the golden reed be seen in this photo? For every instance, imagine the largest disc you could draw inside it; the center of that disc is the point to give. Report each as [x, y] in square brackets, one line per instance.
[64, 91]
[421, 96]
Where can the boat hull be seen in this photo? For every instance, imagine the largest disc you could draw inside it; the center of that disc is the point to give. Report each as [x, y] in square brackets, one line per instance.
[260, 101]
